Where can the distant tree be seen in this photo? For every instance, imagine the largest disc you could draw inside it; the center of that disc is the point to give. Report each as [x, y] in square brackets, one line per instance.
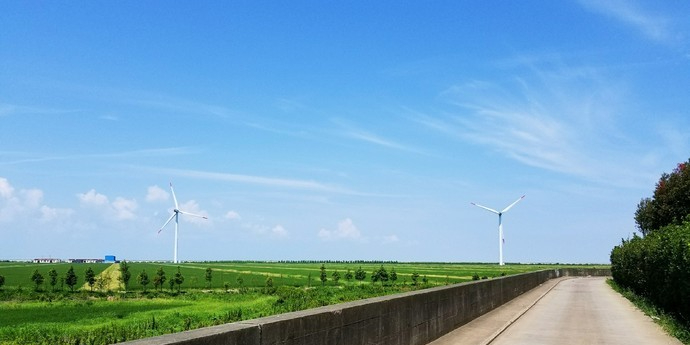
[226, 285]
[171, 283]
[670, 203]
[415, 278]
[360, 274]
[240, 281]
[103, 282]
[125, 274]
[209, 276]
[425, 280]
[475, 276]
[349, 276]
[393, 276]
[383, 275]
[2, 281]
[179, 278]
[159, 278]
[37, 278]
[336, 276]
[71, 278]
[269, 282]
[90, 277]
[53, 276]
[323, 275]
[143, 279]
[375, 276]
[309, 279]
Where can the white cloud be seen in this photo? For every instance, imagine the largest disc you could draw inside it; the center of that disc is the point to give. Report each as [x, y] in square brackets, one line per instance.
[26, 204]
[156, 193]
[32, 197]
[49, 214]
[124, 208]
[279, 231]
[193, 207]
[120, 209]
[92, 198]
[232, 215]
[391, 239]
[6, 190]
[346, 230]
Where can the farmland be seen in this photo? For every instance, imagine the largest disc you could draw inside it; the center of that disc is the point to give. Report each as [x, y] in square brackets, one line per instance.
[236, 291]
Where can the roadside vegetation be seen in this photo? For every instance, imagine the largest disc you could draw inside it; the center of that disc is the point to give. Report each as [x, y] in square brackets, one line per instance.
[104, 304]
[668, 322]
[655, 269]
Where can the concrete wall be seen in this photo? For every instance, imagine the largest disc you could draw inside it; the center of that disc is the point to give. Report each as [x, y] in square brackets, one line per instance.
[413, 318]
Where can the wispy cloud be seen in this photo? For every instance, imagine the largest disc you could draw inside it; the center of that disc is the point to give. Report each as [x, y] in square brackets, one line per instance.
[553, 117]
[652, 26]
[155, 152]
[255, 180]
[7, 109]
[353, 132]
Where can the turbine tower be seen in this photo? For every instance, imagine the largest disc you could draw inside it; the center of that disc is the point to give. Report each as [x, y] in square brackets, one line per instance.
[500, 226]
[176, 215]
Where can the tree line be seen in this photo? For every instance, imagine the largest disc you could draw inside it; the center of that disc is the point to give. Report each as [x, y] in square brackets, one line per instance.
[378, 275]
[102, 282]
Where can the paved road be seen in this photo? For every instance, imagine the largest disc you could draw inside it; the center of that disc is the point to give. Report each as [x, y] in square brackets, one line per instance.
[563, 311]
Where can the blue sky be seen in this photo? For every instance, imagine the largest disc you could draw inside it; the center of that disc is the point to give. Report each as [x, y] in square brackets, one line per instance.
[336, 130]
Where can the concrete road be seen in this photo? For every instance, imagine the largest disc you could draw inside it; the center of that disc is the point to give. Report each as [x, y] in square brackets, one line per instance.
[563, 311]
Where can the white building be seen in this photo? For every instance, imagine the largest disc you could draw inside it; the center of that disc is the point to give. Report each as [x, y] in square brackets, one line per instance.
[47, 261]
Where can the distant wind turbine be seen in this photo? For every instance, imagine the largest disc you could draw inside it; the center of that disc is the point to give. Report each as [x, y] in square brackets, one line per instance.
[500, 226]
[176, 214]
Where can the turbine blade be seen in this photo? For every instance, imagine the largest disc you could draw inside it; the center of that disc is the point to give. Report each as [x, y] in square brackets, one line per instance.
[486, 208]
[174, 197]
[166, 222]
[192, 214]
[513, 204]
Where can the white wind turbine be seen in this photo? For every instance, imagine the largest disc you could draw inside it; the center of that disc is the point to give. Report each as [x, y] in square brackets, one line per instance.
[176, 214]
[500, 226]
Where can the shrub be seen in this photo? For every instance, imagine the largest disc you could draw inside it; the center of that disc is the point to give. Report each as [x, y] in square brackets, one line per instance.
[657, 267]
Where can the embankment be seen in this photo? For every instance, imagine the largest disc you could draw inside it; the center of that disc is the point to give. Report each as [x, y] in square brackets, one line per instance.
[413, 318]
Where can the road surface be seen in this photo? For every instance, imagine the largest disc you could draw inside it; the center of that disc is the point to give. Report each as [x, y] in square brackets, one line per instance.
[563, 311]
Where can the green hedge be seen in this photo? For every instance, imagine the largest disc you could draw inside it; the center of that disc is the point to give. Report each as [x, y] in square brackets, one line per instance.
[657, 267]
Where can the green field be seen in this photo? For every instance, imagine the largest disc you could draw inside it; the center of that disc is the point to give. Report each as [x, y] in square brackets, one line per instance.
[85, 317]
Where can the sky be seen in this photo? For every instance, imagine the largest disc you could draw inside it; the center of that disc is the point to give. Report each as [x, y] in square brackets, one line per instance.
[336, 130]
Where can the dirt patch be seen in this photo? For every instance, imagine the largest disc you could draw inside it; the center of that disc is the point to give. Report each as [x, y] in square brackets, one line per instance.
[107, 280]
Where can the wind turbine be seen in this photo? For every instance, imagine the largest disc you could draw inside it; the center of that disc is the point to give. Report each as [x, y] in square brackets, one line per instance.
[500, 226]
[176, 215]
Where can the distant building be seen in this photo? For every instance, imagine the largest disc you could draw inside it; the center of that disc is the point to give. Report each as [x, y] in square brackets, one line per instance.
[47, 261]
[84, 261]
[110, 259]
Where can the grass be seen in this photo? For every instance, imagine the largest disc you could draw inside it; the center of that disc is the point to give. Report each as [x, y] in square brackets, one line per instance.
[105, 322]
[668, 322]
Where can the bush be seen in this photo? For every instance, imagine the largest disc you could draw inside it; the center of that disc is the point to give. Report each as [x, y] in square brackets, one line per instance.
[657, 267]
